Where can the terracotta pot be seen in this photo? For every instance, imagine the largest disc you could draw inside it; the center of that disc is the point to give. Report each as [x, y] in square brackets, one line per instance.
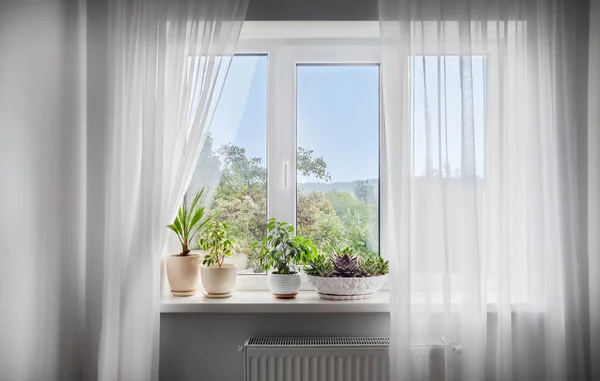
[219, 282]
[284, 286]
[182, 272]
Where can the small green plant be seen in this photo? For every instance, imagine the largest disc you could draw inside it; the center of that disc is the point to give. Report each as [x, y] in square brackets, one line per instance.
[343, 263]
[319, 265]
[346, 266]
[283, 252]
[216, 243]
[189, 222]
[373, 266]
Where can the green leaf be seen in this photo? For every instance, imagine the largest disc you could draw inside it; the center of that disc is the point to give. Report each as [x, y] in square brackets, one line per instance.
[201, 226]
[174, 228]
[196, 199]
[197, 216]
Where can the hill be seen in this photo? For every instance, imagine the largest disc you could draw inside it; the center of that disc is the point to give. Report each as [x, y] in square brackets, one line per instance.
[340, 186]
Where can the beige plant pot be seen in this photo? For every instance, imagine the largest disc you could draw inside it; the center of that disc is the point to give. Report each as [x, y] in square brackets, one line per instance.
[183, 273]
[219, 282]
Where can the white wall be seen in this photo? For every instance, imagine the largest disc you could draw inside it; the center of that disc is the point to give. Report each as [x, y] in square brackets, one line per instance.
[204, 346]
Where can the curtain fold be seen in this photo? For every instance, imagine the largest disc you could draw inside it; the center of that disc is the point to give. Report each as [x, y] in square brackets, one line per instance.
[593, 148]
[484, 118]
[168, 61]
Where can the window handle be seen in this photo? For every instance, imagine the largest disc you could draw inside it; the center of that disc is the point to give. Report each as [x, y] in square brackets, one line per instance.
[285, 174]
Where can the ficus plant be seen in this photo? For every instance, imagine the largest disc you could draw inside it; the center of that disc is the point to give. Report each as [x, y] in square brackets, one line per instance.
[189, 222]
[282, 251]
[216, 243]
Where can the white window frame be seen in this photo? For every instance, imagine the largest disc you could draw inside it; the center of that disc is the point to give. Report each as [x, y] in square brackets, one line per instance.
[288, 45]
[341, 43]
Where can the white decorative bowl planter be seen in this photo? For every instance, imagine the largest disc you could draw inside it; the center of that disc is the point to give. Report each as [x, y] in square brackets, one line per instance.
[334, 288]
[284, 286]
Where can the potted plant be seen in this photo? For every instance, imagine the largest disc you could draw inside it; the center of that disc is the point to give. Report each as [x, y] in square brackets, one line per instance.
[218, 277]
[182, 268]
[281, 253]
[345, 276]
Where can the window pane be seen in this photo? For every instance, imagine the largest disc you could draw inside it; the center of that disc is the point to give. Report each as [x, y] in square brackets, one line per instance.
[448, 107]
[338, 156]
[233, 158]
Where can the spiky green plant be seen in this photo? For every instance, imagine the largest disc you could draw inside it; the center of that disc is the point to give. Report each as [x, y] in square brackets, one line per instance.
[216, 243]
[374, 266]
[189, 222]
[319, 265]
[368, 267]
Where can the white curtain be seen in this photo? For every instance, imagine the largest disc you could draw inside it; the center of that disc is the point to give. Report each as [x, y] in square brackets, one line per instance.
[169, 60]
[485, 127]
[42, 190]
[594, 183]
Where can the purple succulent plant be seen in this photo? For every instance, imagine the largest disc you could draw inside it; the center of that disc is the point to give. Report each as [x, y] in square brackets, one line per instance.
[346, 266]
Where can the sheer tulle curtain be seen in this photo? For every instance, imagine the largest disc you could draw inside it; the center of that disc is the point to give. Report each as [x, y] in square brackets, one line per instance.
[594, 183]
[483, 124]
[169, 60]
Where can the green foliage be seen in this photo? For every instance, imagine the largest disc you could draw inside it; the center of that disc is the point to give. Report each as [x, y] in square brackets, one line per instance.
[237, 184]
[373, 266]
[282, 251]
[189, 222]
[350, 208]
[319, 265]
[364, 191]
[239, 169]
[216, 243]
[309, 165]
[344, 263]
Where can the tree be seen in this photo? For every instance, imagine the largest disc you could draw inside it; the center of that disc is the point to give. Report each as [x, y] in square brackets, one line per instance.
[364, 191]
[308, 165]
[240, 196]
[236, 185]
[208, 170]
[309, 207]
[239, 168]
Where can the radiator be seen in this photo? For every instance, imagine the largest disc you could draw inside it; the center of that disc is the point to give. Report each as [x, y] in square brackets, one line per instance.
[334, 358]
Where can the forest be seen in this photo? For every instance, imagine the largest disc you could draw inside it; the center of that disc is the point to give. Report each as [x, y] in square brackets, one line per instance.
[337, 216]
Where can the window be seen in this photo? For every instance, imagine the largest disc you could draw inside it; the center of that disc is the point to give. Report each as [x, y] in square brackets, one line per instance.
[445, 107]
[438, 109]
[338, 156]
[232, 163]
[273, 151]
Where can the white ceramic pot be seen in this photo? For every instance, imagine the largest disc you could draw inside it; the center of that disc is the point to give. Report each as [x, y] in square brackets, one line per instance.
[219, 282]
[182, 272]
[335, 288]
[284, 286]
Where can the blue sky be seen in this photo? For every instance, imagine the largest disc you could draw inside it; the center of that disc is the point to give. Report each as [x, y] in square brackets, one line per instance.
[337, 113]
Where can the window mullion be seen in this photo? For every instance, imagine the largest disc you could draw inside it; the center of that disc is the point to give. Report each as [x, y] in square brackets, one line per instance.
[281, 137]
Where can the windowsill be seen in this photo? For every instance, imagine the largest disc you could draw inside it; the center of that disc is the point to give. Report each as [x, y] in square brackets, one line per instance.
[265, 302]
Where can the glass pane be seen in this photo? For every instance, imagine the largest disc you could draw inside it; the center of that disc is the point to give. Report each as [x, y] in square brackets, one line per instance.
[448, 109]
[338, 156]
[232, 164]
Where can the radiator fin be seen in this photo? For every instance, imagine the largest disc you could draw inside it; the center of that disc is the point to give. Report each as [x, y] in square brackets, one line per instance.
[334, 358]
[332, 342]
[329, 342]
